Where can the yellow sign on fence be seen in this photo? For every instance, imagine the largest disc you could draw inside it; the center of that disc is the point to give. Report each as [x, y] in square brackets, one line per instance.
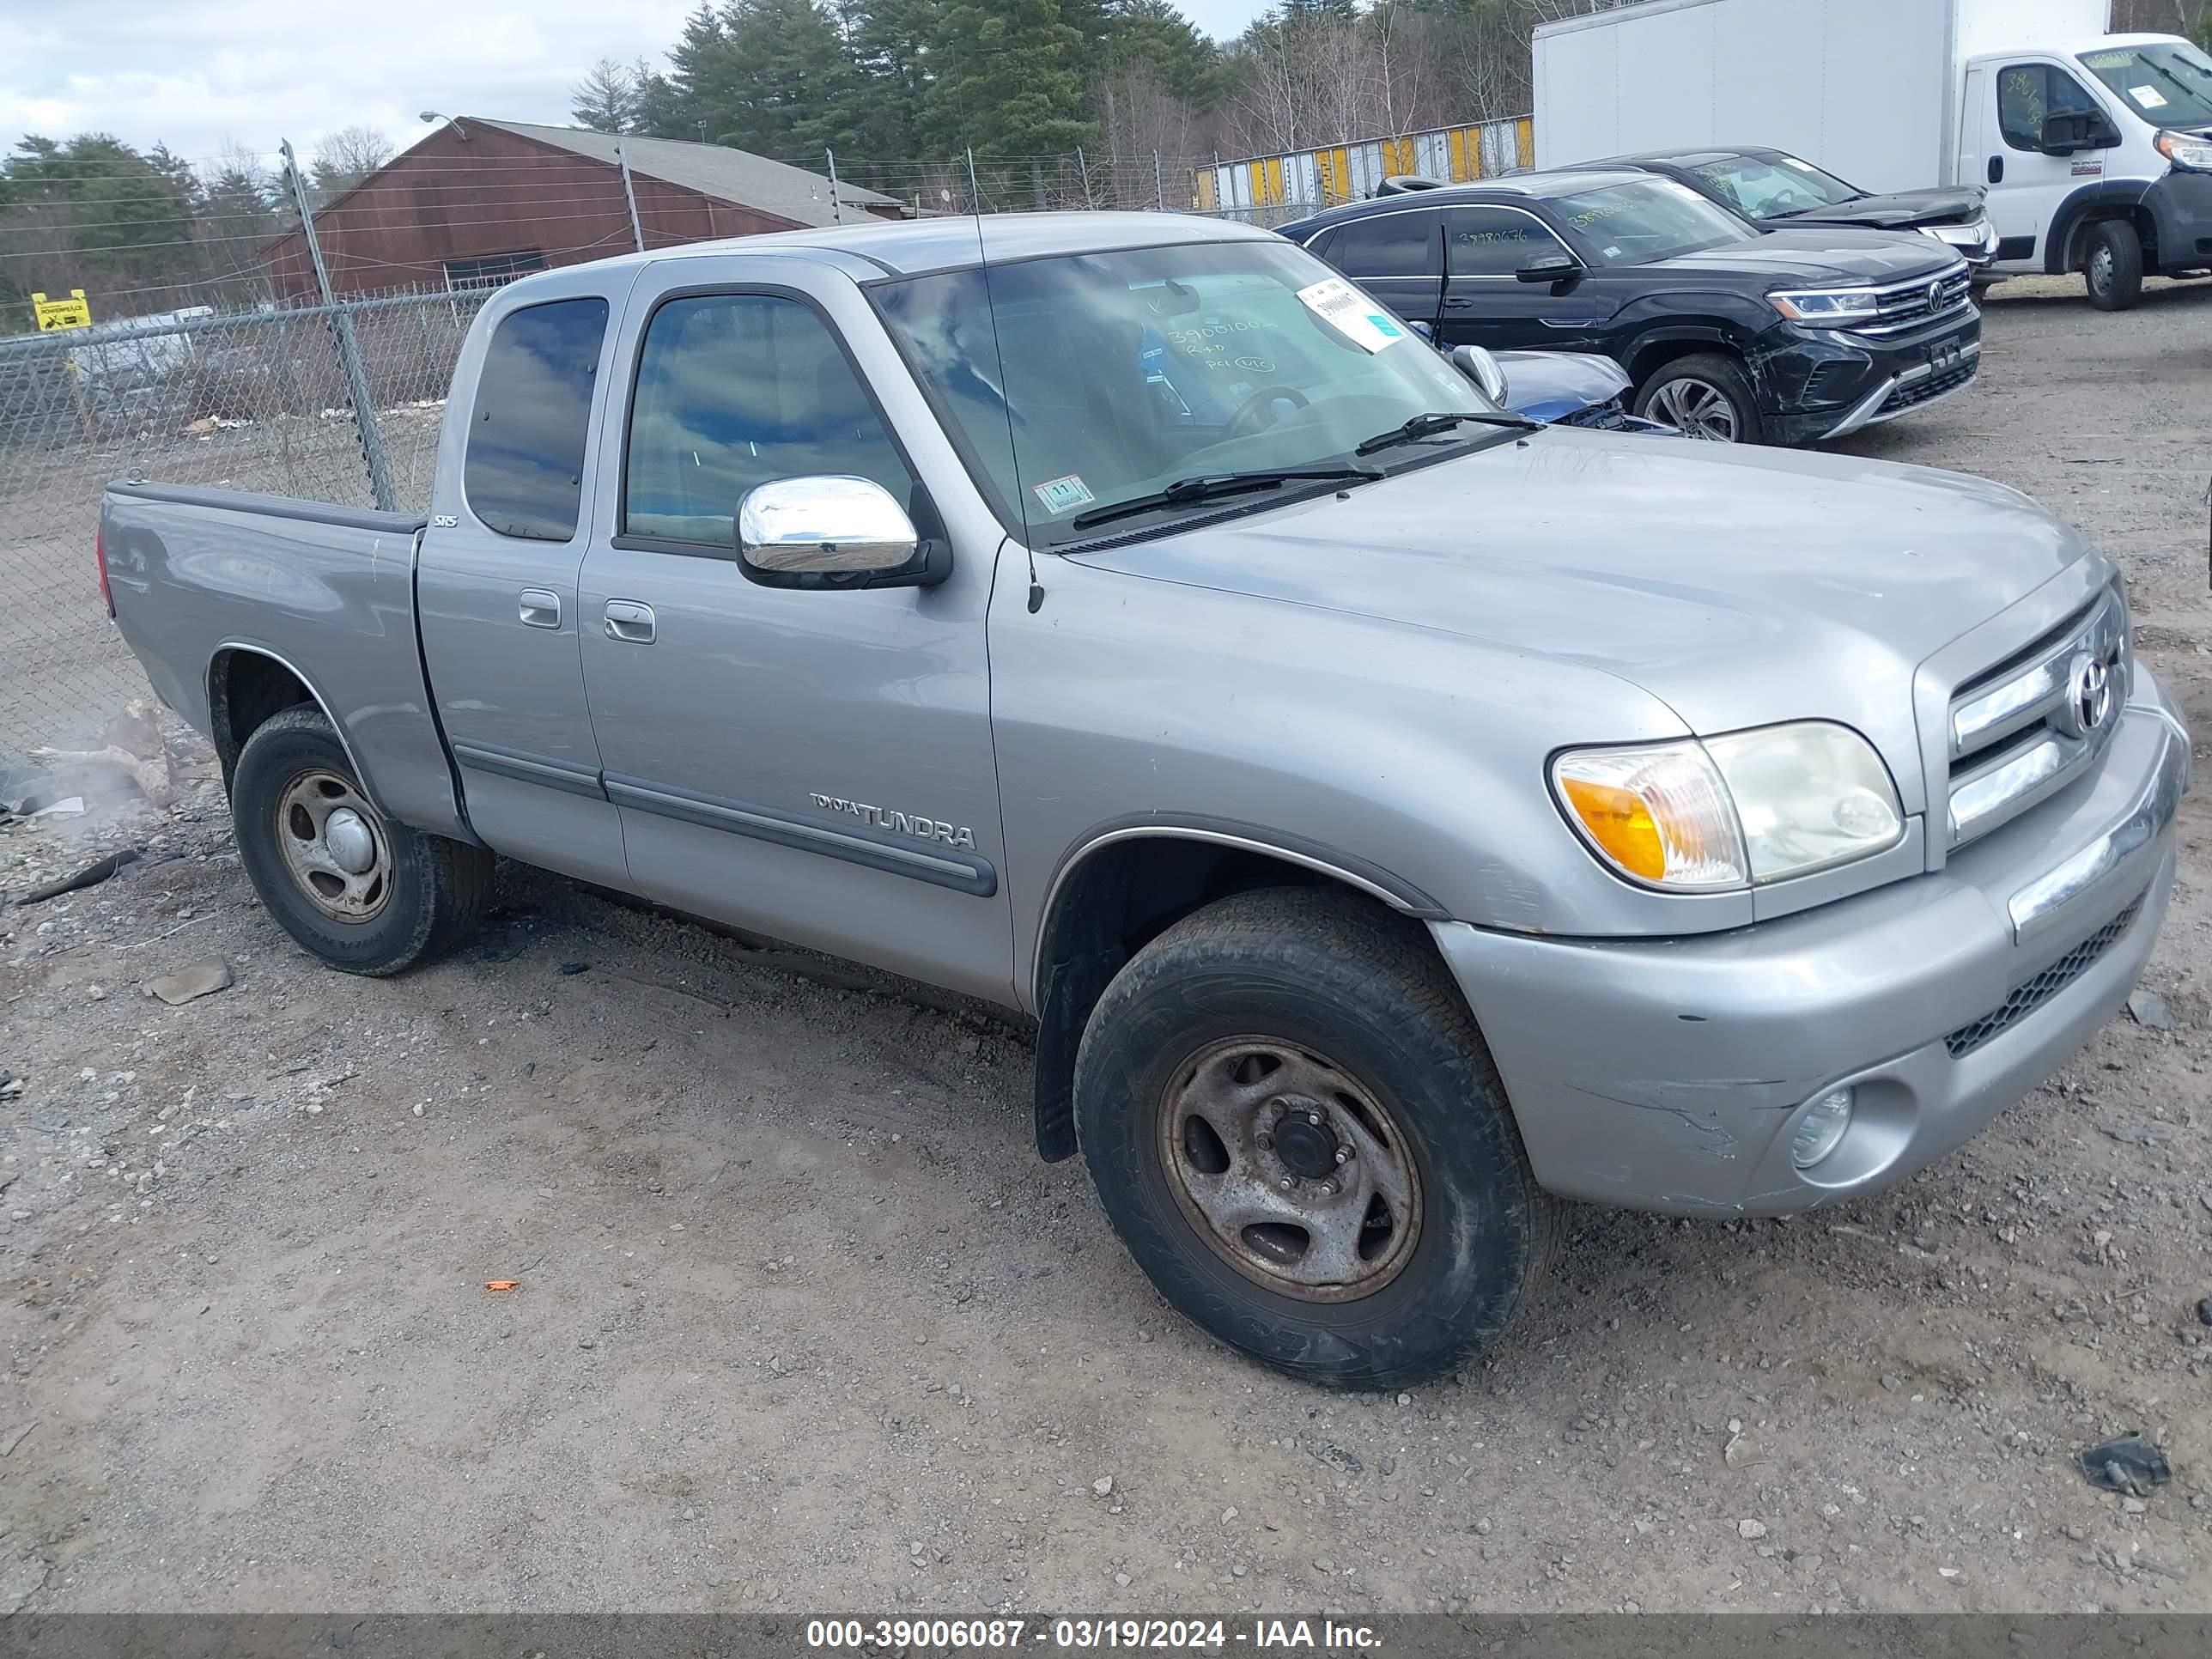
[76, 311]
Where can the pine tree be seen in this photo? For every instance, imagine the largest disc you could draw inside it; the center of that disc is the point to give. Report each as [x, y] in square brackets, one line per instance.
[793, 90]
[1008, 80]
[606, 99]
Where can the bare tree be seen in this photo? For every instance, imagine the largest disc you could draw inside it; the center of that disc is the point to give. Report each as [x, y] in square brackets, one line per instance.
[343, 159]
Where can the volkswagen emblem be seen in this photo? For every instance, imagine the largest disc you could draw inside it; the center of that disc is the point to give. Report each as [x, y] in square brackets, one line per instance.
[2088, 702]
[1935, 296]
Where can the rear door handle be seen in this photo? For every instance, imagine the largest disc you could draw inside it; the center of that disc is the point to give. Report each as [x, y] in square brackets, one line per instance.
[540, 608]
[1997, 169]
[629, 622]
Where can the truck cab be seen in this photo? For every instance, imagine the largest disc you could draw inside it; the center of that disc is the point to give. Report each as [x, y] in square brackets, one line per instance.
[2097, 157]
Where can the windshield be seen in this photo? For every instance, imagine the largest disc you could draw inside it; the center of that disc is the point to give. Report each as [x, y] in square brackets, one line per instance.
[2169, 84]
[1113, 375]
[1773, 185]
[1632, 224]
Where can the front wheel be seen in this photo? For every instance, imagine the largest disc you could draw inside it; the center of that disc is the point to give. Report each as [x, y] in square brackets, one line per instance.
[1705, 396]
[1297, 1130]
[2113, 266]
[365, 894]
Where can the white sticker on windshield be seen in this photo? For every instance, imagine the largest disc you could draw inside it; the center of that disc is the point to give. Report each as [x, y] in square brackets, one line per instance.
[2148, 97]
[1063, 495]
[1351, 314]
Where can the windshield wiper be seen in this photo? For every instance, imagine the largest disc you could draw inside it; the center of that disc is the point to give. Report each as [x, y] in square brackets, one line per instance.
[1185, 492]
[1428, 426]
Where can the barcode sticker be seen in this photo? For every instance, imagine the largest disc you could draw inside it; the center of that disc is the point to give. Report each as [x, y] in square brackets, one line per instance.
[1351, 314]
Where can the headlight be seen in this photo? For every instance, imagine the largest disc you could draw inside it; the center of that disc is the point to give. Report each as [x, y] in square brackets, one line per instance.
[2184, 151]
[1742, 810]
[1974, 234]
[1827, 307]
[1809, 796]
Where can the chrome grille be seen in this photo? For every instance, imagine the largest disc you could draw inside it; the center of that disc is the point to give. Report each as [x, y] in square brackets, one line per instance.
[1901, 307]
[2025, 728]
[2026, 998]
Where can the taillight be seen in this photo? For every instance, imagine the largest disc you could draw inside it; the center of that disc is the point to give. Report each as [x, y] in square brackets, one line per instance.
[100, 558]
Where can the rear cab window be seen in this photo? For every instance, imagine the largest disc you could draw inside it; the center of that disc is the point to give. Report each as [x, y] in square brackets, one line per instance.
[523, 471]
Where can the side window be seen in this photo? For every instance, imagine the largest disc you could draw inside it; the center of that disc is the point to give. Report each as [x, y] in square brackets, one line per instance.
[735, 390]
[1389, 244]
[2026, 93]
[1495, 241]
[524, 469]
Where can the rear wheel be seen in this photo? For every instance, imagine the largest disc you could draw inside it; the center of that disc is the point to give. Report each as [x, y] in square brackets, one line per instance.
[1294, 1125]
[1705, 396]
[362, 892]
[2113, 265]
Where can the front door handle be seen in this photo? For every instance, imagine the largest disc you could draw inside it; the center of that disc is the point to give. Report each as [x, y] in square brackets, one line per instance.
[1997, 169]
[540, 608]
[629, 622]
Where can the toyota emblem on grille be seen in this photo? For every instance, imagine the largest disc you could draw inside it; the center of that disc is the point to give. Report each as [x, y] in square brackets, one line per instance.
[2088, 702]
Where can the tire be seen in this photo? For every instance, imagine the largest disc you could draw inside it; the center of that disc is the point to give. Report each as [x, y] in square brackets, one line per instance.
[1315, 975]
[2113, 265]
[417, 894]
[1705, 396]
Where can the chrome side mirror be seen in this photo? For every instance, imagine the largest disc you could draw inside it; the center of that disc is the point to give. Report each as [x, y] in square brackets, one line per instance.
[834, 532]
[1483, 368]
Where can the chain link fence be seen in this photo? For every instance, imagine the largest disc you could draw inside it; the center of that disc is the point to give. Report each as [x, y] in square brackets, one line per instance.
[262, 400]
[254, 400]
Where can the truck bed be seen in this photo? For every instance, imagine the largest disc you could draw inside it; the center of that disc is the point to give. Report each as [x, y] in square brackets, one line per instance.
[201, 577]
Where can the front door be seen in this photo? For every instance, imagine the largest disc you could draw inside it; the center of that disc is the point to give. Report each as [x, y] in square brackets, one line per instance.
[1486, 304]
[816, 766]
[2026, 186]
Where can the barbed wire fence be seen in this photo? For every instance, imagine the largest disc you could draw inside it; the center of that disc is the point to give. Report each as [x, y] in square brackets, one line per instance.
[338, 399]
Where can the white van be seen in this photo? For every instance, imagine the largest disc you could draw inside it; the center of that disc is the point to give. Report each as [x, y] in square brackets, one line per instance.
[2095, 150]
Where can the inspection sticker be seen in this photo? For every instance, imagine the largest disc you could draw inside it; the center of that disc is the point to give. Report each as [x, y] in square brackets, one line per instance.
[1351, 314]
[2148, 97]
[1063, 495]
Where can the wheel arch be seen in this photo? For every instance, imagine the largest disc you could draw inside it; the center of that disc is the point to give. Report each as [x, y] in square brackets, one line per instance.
[2090, 206]
[1654, 351]
[1125, 886]
[246, 684]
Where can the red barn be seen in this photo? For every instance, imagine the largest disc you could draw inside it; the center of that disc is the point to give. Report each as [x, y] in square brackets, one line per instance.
[479, 201]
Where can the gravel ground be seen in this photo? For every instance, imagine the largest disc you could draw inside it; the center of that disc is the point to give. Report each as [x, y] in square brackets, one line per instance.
[801, 1323]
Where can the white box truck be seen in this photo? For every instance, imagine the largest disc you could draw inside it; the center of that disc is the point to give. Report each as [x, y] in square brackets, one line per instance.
[2094, 150]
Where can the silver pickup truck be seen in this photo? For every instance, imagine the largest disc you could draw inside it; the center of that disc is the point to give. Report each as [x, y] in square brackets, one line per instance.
[1397, 817]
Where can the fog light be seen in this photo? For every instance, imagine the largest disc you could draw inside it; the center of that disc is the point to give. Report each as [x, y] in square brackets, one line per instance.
[1821, 1128]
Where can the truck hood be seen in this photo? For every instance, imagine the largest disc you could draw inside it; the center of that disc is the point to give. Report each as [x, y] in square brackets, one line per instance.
[1819, 253]
[1904, 209]
[1738, 586]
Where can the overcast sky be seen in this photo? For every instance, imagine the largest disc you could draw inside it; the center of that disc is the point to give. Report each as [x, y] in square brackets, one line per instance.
[196, 74]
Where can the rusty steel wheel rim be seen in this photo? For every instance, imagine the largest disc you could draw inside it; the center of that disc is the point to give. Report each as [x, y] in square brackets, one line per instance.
[333, 845]
[1289, 1170]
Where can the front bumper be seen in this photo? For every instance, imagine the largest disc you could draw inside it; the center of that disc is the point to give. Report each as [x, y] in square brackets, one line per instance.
[1668, 1075]
[1818, 384]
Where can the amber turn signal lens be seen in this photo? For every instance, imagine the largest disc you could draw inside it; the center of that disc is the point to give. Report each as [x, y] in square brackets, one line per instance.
[1619, 822]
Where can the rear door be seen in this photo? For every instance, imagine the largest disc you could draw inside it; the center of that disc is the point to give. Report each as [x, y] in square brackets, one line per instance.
[496, 584]
[815, 765]
[1398, 256]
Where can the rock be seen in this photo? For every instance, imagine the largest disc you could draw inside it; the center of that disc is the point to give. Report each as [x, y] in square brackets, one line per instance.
[187, 984]
[2128, 1463]
[2205, 1311]
[1751, 1529]
[572, 969]
[1741, 1453]
[1122, 1579]
[1103, 1485]
[1892, 1381]
[2149, 1011]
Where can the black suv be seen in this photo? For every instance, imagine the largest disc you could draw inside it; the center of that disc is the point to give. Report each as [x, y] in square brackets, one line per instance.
[1774, 189]
[1726, 332]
